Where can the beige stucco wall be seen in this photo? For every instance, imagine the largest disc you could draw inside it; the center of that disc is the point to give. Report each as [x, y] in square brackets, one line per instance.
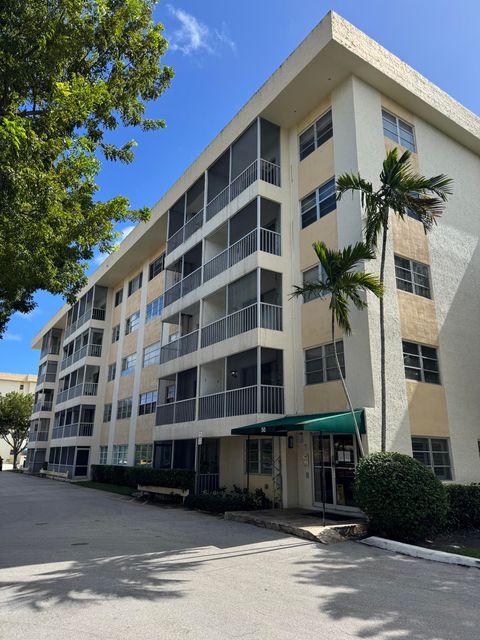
[324, 397]
[418, 321]
[409, 239]
[427, 408]
[317, 323]
[316, 169]
[232, 467]
[325, 230]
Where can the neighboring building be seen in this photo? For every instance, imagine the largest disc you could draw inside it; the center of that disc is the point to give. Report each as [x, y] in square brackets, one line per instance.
[188, 331]
[23, 383]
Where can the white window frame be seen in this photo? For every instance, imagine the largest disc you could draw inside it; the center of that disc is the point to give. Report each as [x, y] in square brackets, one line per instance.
[153, 266]
[316, 144]
[112, 371]
[144, 452]
[147, 402]
[116, 333]
[154, 308]
[128, 364]
[132, 323]
[118, 297]
[423, 359]
[398, 137]
[151, 354]
[319, 274]
[124, 408]
[260, 467]
[408, 276]
[120, 454]
[431, 455]
[135, 283]
[324, 362]
[319, 198]
[107, 412]
[103, 457]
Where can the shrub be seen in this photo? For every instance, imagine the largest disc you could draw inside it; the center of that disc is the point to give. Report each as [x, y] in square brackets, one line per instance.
[234, 500]
[133, 476]
[402, 498]
[463, 506]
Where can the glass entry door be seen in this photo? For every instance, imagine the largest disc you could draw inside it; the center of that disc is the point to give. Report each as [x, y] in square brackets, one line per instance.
[334, 460]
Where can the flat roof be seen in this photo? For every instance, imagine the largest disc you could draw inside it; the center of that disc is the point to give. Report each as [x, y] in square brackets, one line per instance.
[333, 51]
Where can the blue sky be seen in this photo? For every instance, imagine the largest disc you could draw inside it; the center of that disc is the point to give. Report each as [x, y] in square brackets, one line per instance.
[222, 52]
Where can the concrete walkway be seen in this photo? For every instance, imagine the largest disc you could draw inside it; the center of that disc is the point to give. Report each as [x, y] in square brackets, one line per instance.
[82, 564]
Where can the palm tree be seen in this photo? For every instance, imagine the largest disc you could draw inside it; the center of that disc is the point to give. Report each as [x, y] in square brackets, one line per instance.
[402, 191]
[343, 284]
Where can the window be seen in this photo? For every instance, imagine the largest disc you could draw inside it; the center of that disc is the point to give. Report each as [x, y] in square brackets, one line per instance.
[398, 130]
[412, 276]
[156, 267]
[116, 333]
[131, 323]
[103, 455]
[154, 308]
[22, 387]
[124, 408]
[421, 362]
[135, 284]
[315, 135]
[320, 363]
[319, 203]
[147, 403]
[260, 456]
[112, 371]
[143, 454]
[120, 452]
[107, 412]
[434, 453]
[128, 364]
[313, 275]
[151, 354]
[118, 297]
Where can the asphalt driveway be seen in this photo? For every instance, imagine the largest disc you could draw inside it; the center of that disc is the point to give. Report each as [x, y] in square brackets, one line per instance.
[76, 563]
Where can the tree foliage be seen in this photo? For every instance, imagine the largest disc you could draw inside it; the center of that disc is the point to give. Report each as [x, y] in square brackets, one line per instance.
[71, 71]
[15, 412]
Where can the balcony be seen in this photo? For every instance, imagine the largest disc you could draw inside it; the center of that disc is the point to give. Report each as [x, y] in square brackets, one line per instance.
[180, 347]
[46, 377]
[266, 316]
[188, 229]
[91, 314]
[174, 412]
[38, 436]
[42, 405]
[94, 350]
[83, 389]
[244, 401]
[184, 286]
[79, 429]
[259, 169]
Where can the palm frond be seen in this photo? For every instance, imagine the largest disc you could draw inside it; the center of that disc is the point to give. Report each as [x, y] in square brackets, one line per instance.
[318, 288]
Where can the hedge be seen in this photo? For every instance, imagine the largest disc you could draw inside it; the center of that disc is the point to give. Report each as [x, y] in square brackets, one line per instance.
[133, 476]
[235, 500]
[463, 506]
[402, 498]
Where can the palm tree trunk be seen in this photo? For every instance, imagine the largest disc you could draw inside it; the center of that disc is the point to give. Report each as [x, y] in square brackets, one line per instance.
[347, 395]
[382, 337]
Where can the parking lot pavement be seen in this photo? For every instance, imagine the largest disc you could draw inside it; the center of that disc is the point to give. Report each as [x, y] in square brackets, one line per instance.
[77, 563]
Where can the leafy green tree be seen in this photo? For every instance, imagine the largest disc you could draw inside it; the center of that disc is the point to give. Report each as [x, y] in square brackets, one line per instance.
[71, 71]
[343, 284]
[15, 412]
[401, 190]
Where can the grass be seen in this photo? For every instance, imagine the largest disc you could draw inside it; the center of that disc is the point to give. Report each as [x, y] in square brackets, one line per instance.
[103, 486]
[472, 552]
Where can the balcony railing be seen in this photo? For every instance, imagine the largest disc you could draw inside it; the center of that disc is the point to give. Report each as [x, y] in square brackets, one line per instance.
[242, 321]
[94, 350]
[174, 412]
[258, 170]
[38, 436]
[46, 377]
[181, 347]
[82, 429]
[239, 402]
[42, 405]
[83, 389]
[256, 240]
[185, 232]
[207, 482]
[91, 314]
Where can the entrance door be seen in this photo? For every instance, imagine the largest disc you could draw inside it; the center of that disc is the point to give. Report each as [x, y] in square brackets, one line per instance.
[334, 459]
[81, 463]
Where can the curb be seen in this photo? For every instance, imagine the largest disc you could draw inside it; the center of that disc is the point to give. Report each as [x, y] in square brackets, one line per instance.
[420, 552]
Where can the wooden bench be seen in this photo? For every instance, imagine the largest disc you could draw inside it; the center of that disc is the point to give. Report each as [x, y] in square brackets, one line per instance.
[54, 475]
[164, 491]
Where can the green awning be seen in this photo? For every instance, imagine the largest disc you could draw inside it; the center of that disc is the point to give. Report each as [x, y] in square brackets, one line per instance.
[336, 422]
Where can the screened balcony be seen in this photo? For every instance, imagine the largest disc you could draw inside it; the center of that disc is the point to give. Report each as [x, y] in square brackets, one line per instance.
[47, 372]
[186, 215]
[256, 227]
[180, 334]
[73, 422]
[51, 343]
[251, 302]
[91, 306]
[242, 384]
[254, 156]
[183, 276]
[39, 430]
[43, 400]
[81, 382]
[177, 398]
[89, 343]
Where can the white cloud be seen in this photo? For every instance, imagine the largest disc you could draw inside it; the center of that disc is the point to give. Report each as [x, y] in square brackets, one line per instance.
[193, 36]
[97, 260]
[13, 337]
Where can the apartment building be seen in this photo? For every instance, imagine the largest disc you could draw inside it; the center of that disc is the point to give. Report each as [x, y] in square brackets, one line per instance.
[186, 349]
[22, 383]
